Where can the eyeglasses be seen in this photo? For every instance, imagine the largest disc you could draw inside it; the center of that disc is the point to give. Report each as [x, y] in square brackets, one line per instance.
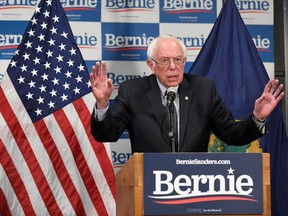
[166, 61]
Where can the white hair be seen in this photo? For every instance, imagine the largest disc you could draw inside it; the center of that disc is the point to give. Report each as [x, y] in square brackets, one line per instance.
[153, 46]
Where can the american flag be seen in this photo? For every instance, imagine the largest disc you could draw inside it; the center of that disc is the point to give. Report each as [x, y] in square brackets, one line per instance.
[50, 163]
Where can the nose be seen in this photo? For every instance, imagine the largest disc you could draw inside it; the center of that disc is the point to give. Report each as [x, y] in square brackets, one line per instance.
[172, 63]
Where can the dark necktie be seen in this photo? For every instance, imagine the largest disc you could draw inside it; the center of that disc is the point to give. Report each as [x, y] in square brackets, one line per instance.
[173, 133]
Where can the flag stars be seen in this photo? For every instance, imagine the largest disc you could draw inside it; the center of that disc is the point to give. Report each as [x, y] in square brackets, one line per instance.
[57, 69]
[55, 19]
[21, 79]
[62, 46]
[53, 30]
[28, 44]
[40, 100]
[49, 2]
[29, 96]
[66, 85]
[76, 90]
[39, 49]
[51, 104]
[88, 84]
[64, 34]
[53, 93]
[46, 13]
[49, 53]
[47, 65]
[13, 63]
[31, 33]
[34, 72]
[23, 68]
[72, 51]
[55, 81]
[42, 88]
[44, 25]
[70, 63]
[68, 74]
[31, 84]
[26, 56]
[64, 97]
[60, 58]
[81, 67]
[41, 37]
[34, 20]
[49, 74]
[38, 112]
[79, 79]
[36, 60]
[37, 10]
[44, 76]
[51, 42]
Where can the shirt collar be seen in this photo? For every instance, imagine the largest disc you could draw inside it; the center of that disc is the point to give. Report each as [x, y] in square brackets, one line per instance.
[163, 88]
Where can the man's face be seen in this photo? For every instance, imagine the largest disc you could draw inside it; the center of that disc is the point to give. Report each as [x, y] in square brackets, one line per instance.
[168, 63]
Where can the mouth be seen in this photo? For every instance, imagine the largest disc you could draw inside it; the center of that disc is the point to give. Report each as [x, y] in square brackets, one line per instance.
[172, 77]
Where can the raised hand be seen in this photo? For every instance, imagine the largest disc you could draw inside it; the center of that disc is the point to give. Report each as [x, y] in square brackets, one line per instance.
[102, 87]
[272, 94]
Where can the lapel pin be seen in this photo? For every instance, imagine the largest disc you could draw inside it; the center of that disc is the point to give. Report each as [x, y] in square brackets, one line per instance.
[186, 97]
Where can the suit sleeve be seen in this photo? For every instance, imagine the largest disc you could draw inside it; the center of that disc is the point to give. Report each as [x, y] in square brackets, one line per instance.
[115, 122]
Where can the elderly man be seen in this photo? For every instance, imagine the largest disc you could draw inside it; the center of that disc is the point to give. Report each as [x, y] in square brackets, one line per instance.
[140, 106]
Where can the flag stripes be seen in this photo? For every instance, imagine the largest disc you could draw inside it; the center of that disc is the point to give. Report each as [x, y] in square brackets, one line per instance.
[98, 148]
[23, 206]
[74, 185]
[51, 164]
[81, 163]
[59, 166]
[29, 156]
[4, 206]
[14, 165]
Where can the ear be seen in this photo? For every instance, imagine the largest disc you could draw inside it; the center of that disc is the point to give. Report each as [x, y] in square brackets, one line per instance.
[150, 64]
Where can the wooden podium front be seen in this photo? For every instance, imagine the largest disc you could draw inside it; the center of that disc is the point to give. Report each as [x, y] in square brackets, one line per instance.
[129, 187]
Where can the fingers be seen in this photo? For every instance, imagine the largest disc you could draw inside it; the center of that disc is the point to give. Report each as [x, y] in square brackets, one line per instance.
[97, 71]
[110, 84]
[275, 89]
[279, 97]
[274, 85]
[104, 70]
[278, 91]
[269, 86]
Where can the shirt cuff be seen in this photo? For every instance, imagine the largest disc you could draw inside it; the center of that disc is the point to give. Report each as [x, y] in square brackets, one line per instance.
[261, 124]
[100, 114]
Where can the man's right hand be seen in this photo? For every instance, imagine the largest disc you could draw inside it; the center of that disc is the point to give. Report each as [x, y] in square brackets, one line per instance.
[102, 87]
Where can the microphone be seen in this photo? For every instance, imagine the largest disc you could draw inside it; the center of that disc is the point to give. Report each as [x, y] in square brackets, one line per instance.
[171, 95]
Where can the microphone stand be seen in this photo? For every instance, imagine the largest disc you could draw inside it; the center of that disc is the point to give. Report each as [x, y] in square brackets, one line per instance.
[173, 126]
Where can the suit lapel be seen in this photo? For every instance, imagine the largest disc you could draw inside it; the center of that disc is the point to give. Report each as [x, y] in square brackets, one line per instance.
[185, 99]
[154, 99]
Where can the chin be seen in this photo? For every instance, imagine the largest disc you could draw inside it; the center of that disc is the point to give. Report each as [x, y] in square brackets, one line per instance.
[172, 84]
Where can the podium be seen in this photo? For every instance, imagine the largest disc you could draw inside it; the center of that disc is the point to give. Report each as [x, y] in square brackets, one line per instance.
[130, 191]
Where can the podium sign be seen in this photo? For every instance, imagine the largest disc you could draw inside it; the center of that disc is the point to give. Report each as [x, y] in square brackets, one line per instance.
[201, 183]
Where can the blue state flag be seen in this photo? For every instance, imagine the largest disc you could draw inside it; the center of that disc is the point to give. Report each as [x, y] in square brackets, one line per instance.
[230, 58]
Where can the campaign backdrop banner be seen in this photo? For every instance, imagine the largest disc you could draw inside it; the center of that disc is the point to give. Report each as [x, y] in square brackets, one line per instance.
[201, 183]
[119, 32]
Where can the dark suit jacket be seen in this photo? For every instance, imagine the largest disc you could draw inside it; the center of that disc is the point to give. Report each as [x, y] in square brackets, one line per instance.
[139, 109]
